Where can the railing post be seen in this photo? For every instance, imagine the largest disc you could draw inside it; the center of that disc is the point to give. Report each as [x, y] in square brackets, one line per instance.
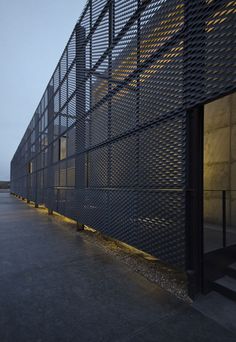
[224, 218]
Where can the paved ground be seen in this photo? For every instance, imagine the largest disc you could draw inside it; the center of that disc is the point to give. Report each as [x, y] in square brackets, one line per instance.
[55, 286]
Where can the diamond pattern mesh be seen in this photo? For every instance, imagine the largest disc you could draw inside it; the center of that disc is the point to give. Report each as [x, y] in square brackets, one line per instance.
[107, 144]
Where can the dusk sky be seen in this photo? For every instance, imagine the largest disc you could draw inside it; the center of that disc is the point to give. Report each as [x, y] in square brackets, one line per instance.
[33, 35]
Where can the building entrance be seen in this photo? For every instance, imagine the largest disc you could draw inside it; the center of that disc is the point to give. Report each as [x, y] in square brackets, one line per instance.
[219, 187]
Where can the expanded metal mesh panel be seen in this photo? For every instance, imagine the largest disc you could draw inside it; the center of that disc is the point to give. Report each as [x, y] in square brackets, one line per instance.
[108, 143]
[123, 163]
[161, 214]
[124, 55]
[98, 168]
[162, 150]
[124, 111]
[99, 125]
[124, 10]
[93, 208]
[162, 86]
[122, 215]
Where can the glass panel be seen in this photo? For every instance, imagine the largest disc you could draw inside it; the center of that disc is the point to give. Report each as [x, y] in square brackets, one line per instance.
[63, 144]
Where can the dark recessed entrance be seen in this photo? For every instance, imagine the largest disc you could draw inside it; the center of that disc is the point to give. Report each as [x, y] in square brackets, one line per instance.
[219, 224]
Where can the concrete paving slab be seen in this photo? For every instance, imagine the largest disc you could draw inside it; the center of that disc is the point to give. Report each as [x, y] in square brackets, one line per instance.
[185, 326]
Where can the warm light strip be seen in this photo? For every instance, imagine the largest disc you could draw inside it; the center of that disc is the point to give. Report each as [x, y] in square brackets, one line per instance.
[120, 244]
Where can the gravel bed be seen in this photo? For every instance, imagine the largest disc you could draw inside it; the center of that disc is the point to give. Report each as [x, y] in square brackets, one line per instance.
[149, 267]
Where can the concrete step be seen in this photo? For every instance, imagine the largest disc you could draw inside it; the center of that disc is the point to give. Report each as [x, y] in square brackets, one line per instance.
[226, 286]
[231, 270]
[217, 307]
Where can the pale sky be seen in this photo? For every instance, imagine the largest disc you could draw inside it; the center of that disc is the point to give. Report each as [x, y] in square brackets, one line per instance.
[33, 34]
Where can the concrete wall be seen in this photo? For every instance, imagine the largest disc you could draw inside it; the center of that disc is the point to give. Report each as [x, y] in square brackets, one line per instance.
[220, 158]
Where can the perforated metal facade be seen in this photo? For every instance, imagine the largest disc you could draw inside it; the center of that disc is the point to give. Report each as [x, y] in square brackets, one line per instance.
[108, 144]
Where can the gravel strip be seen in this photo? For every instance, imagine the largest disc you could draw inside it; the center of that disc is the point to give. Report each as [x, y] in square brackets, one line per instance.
[152, 269]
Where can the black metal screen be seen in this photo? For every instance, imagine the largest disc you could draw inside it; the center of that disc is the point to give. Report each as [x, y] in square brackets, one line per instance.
[108, 143]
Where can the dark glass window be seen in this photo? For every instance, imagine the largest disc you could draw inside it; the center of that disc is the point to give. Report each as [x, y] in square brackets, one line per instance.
[30, 167]
[63, 147]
